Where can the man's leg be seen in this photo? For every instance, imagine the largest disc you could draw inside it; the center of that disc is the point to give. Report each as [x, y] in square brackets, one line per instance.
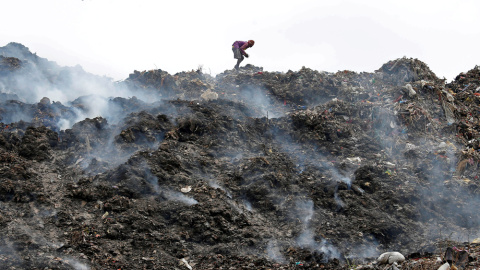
[237, 66]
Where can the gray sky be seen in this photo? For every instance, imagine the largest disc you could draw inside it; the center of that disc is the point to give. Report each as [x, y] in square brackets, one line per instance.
[115, 37]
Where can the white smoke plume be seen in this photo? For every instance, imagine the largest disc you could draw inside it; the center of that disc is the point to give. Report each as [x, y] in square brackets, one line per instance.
[76, 264]
[37, 78]
[304, 210]
[274, 253]
[309, 158]
[260, 102]
[179, 197]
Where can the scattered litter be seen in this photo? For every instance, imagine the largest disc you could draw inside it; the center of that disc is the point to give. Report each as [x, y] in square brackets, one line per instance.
[184, 262]
[390, 258]
[186, 189]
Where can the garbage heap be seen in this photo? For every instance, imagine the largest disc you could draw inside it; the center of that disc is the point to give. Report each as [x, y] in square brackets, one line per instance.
[244, 170]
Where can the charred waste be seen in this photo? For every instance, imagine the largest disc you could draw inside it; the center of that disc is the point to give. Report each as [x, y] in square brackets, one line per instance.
[249, 169]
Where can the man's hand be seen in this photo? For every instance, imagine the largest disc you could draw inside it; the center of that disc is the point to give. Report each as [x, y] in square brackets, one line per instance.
[246, 55]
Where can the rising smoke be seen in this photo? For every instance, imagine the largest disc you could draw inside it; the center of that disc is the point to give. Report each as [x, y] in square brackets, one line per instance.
[312, 158]
[307, 238]
[75, 94]
[274, 253]
[260, 103]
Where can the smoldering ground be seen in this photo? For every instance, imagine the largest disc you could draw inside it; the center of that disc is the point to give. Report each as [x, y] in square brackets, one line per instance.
[218, 183]
[260, 103]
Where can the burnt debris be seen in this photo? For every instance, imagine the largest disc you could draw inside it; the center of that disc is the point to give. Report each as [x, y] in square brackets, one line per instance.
[249, 169]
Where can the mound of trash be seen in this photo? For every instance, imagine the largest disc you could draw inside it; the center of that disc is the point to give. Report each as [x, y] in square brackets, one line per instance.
[249, 169]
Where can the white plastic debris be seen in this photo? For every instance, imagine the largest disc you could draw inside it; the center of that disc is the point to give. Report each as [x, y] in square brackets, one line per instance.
[411, 91]
[450, 97]
[389, 164]
[445, 266]
[78, 161]
[394, 267]
[410, 146]
[186, 189]
[390, 258]
[184, 261]
[355, 159]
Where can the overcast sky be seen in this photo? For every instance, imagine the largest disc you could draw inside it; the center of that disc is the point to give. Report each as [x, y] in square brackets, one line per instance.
[116, 37]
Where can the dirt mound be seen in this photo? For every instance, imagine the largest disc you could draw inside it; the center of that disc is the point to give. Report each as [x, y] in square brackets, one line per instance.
[248, 170]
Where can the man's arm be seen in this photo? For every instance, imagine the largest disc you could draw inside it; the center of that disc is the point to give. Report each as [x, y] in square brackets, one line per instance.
[243, 48]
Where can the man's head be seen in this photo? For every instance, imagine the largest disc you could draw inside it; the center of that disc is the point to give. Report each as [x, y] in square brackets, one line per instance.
[251, 43]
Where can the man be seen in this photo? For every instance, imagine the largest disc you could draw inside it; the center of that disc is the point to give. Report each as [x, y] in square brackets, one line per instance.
[239, 48]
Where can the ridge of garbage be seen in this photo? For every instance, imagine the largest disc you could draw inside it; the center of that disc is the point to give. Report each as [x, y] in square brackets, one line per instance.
[248, 169]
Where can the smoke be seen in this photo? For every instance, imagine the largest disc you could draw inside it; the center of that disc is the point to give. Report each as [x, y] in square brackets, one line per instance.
[87, 95]
[104, 145]
[12, 258]
[60, 84]
[304, 210]
[214, 184]
[260, 102]
[178, 197]
[76, 264]
[14, 111]
[150, 177]
[37, 237]
[307, 240]
[112, 109]
[166, 193]
[7, 250]
[312, 158]
[447, 206]
[338, 200]
[102, 157]
[63, 117]
[92, 106]
[362, 252]
[248, 205]
[64, 124]
[23, 230]
[274, 253]
[449, 198]
[386, 130]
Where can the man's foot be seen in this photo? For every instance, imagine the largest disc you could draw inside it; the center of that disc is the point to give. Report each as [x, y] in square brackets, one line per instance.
[236, 67]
